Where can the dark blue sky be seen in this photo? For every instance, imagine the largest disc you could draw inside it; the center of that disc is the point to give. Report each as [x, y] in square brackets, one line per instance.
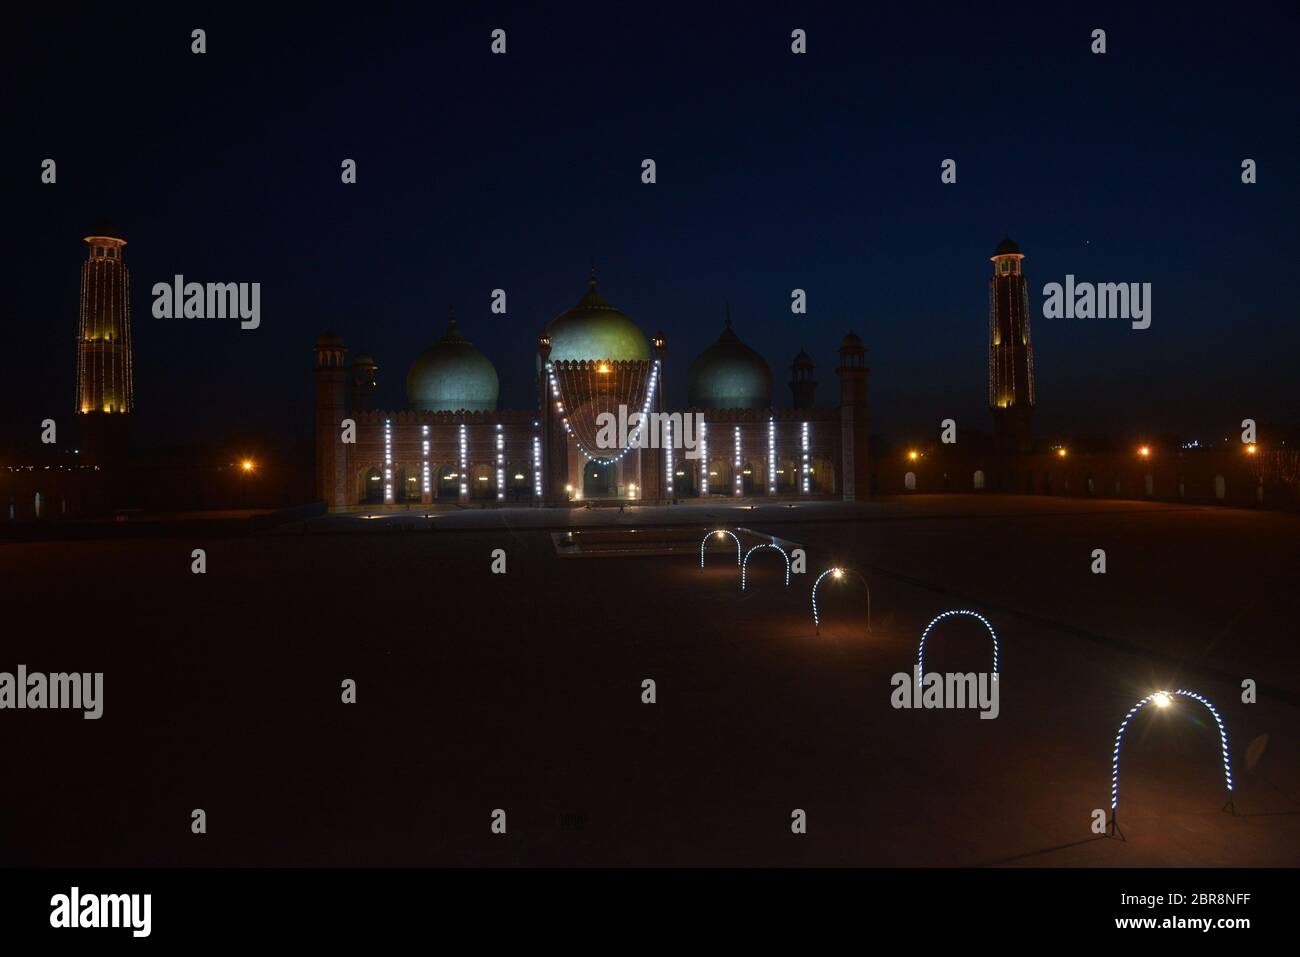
[775, 171]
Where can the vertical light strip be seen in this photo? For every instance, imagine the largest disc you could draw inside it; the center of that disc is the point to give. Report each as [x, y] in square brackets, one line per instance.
[537, 466]
[424, 430]
[807, 469]
[388, 461]
[501, 464]
[740, 482]
[464, 463]
[704, 457]
[771, 455]
[667, 439]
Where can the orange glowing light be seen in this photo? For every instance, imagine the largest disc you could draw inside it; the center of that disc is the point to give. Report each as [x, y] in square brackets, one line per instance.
[1060, 453]
[1145, 451]
[913, 455]
[603, 368]
[1252, 449]
[246, 465]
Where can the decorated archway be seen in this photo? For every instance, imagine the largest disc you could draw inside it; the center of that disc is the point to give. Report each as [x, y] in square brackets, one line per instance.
[838, 573]
[745, 564]
[1165, 699]
[719, 534]
[920, 654]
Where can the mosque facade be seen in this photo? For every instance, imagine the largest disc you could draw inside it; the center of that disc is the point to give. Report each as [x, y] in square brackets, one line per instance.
[595, 366]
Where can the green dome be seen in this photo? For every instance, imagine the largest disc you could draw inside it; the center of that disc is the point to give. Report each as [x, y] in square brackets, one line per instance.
[452, 376]
[593, 329]
[730, 375]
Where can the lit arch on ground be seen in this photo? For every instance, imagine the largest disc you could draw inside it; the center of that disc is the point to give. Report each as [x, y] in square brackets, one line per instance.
[920, 653]
[719, 532]
[842, 572]
[744, 566]
[1119, 737]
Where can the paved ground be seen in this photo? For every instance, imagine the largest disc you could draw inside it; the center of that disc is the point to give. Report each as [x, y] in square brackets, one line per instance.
[522, 691]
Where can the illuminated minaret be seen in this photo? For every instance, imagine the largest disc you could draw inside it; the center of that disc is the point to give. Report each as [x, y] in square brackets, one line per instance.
[1011, 355]
[104, 383]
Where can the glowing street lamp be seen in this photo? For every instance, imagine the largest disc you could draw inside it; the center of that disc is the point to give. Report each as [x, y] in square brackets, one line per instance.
[246, 465]
[1145, 451]
[1060, 453]
[1252, 449]
[913, 455]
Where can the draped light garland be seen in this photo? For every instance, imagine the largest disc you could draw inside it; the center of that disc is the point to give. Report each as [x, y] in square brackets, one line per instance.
[615, 378]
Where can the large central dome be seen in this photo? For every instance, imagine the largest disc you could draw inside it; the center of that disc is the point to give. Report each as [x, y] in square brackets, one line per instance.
[452, 376]
[593, 329]
[730, 375]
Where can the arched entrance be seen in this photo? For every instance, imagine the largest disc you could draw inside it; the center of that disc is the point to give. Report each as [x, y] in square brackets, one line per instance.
[448, 483]
[597, 480]
[684, 479]
[372, 487]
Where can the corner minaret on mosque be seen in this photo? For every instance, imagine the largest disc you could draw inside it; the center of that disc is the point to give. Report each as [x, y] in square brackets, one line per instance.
[105, 390]
[1011, 354]
[854, 434]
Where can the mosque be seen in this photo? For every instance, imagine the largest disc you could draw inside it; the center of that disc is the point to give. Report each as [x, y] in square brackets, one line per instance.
[452, 444]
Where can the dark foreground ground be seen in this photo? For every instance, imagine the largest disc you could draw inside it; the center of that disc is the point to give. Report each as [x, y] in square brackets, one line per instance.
[523, 692]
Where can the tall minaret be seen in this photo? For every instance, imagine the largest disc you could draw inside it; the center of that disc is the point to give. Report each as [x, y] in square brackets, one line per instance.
[854, 435]
[331, 408]
[1011, 355]
[105, 390]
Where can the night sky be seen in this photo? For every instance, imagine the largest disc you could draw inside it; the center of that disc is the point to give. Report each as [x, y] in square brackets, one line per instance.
[775, 171]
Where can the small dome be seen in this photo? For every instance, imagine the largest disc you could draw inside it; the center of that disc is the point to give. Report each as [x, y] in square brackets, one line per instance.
[363, 360]
[329, 340]
[730, 375]
[1007, 247]
[593, 329]
[802, 360]
[851, 342]
[452, 376]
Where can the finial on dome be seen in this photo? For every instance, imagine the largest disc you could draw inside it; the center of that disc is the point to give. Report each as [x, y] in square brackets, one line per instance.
[592, 282]
[451, 317]
[728, 322]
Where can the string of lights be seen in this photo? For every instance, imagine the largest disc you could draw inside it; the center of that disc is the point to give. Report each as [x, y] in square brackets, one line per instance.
[737, 466]
[803, 448]
[388, 461]
[501, 464]
[617, 370]
[425, 487]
